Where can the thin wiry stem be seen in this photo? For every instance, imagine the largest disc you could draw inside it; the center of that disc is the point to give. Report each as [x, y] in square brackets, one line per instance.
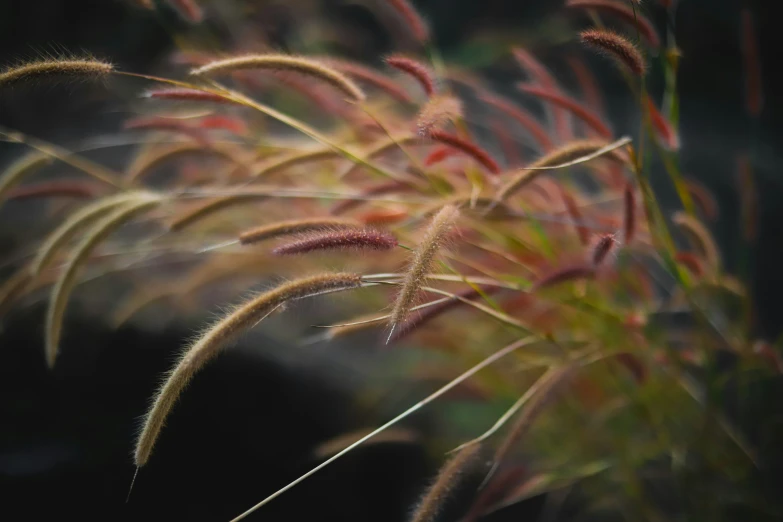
[441, 391]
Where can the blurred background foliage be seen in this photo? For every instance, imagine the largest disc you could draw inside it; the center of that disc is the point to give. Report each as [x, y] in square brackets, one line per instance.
[64, 440]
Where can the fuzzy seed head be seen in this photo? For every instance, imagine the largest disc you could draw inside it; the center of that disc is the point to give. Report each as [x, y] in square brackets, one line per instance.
[418, 27]
[69, 68]
[294, 226]
[467, 147]
[448, 477]
[340, 239]
[620, 49]
[281, 62]
[602, 248]
[214, 340]
[415, 69]
[423, 259]
[436, 113]
[623, 12]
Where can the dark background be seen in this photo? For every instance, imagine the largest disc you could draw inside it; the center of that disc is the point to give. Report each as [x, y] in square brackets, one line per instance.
[65, 437]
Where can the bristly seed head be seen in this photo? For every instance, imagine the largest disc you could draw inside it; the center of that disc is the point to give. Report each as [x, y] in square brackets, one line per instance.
[346, 238]
[617, 47]
[214, 339]
[625, 13]
[436, 113]
[283, 62]
[86, 68]
[448, 477]
[424, 257]
[602, 248]
[417, 70]
[467, 147]
[294, 226]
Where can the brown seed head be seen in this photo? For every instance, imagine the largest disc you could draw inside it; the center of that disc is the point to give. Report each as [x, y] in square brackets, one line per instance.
[620, 49]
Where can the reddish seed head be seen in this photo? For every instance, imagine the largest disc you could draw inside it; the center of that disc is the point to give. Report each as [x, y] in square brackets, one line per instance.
[57, 188]
[229, 123]
[359, 238]
[158, 123]
[617, 47]
[420, 72]
[691, 261]
[467, 147]
[663, 128]
[511, 110]
[703, 199]
[629, 214]
[413, 19]
[587, 84]
[383, 217]
[602, 248]
[571, 105]
[369, 76]
[438, 155]
[619, 9]
[576, 216]
[564, 275]
[541, 76]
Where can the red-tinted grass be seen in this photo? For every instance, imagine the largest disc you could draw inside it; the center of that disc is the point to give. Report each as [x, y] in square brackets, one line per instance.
[413, 19]
[571, 105]
[576, 216]
[629, 213]
[229, 123]
[544, 78]
[185, 94]
[564, 275]
[616, 47]
[620, 9]
[541, 75]
[587, 84]
[703, 199]
[663, 128]
[417, 70]
[602, 247]
[369, 76]
[510, 148]
[467, 147]
[439, 154]
[158, 123]
[70, 188]
[358, 238]
[527, 121]
[690, 261]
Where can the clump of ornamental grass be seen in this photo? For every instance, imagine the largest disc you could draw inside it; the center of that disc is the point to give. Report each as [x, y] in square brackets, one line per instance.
[482, 227]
